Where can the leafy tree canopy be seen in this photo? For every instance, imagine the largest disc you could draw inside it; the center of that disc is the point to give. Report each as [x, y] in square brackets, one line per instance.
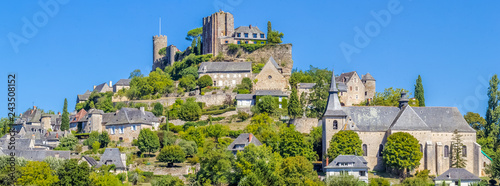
[402, 152]
[194, 33]
[345, 142]
[148, 141]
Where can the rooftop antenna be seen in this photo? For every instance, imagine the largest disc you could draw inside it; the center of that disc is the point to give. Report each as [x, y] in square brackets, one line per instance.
[160, 28]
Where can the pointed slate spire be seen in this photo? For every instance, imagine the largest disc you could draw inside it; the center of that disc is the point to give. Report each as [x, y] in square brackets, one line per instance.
[333, 107]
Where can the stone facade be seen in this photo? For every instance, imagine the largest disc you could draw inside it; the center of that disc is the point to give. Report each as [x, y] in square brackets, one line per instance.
[226, 74]
[215, 26]
[270, 78]
[358, 90]
[305, 125]
[159, 42]
[127, 132]
[209, 99]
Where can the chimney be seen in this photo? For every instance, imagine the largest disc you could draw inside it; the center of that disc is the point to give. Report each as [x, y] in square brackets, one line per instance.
[250, 26]
[94, 87]
[250, 136]
[327, 161]
[58, 113]
[110, 84]
[404, 100]
[142, 110]
[57, 135]
[34, 107]
[21, 115]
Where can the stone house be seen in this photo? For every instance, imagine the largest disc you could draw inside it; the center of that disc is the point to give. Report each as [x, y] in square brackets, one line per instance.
[125, 124]
[121, 84]
[242, 141]
[271, 77]
[245, 101]
[35, 117]
[112, 156]
[280, 97]
[433, 127]
[226, 74]
[453, 176]
[245, 35]
[32, 144]
[348, 164]
[358, 89]
[103, 88]
[74, 120]
[83, 97]
[89, 161]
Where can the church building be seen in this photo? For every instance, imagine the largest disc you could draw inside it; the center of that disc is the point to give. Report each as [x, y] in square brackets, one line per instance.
[433, 127]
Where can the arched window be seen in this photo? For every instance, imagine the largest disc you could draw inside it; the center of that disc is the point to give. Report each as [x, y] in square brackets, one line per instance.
[464, 151]
[446, 151]
[380, 149]
[365, 150]
[335, 124]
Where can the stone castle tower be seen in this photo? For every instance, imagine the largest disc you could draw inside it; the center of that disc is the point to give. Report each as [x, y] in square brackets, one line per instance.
[159, 42]
[369, 83]
[215, 26]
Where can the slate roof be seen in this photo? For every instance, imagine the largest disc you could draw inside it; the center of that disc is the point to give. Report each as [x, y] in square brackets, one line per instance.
[333, 107]
[306, 85]
[90, 160]
[367, 76]
[250, 30]
[29, 116]
[359, 162]
[84, 97]
[455, 174]
[274, 62]
[270, 93]
[111, 156]
[407, 119]
[123, 82]
[243, 139]
[21, 143]
[211, 67]
[244, 96]
[443, 119]
[345, 77]
[342, 87]
[39, 155]
[102, 87]
[132, 116]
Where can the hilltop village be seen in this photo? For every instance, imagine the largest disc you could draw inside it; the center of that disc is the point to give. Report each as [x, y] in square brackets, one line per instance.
[231, 110]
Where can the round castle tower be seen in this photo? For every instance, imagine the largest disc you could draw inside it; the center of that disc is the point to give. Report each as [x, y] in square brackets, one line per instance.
[159, 42]
[369, 83]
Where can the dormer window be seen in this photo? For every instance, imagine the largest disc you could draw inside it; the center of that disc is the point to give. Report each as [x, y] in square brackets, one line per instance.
[254, 35]
[246, 34]
[261, 35]
[238, 34]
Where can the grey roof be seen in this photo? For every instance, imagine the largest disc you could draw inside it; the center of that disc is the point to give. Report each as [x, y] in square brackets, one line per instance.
[274, 62]
[270, 93]
[30, 116]
[342, 87]
[455, 174]
[306, 85]
[111, 156]
[21, 143]
[211, 67]
[132, 116]
[123, 82]
[39, 155]
[107, 117]
[372, 118]
[443, 119]
[243, 139]
[84, 97]
[345, 77]
[407, 119]
[333, 107]
[250, 30]
[367, 76]
[359, 162]
[90, 160]
[95, 111]
[102, 87]
[244, 96]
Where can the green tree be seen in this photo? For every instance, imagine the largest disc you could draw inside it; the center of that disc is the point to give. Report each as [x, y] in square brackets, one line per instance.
[258, 165]
[194, 33]
[476, 122]
[187, 82]
[493, 110]
[167, 180]
[198, 46]
[192, 70]
[73, 173]
[299, 171]
[104, 179]
[162, 51]
[246, 84]
[104, 139]
[379, 182]
[189, 147]
[316, 139]
[135, 73]
[415, 182]
[389, 97]
[294, 106]
[157, 109]
[345, 142]
[419, 92]
[148, 141]
[190, 111]
[292, 143]
[171, 154]
[457, 161]
[318, 98]
[267, 104]
[65, 116]
[215, 165]
[217, 131]
[493, 169]
[95, 146]
[205, 81]
[273, 36]
[93, 136]
[342, 180]
[67, 143]
[159, 82]
[105, 104]
[37, 173]
[402, 152]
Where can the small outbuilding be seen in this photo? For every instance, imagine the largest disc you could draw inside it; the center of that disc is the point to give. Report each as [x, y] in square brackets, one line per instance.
[456, 177]
[348, 164]
[242, 141]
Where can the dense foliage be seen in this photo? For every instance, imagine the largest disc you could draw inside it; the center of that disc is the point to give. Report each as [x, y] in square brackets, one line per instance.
[148, 141]
[402, 152]
[345, 142]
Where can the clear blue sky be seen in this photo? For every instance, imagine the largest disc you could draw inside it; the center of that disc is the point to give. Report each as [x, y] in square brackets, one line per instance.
[453, 46]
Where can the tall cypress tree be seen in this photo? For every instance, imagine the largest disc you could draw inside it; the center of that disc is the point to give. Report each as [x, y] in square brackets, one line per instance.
[294, 106]
[198, 46]
[65, 116]
[269, 30]
[419, 92]
[493, 111]
[457, 160]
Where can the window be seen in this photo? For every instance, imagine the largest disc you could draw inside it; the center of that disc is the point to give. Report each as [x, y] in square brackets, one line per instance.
[239, 35]
[280, 106]
[365, 150]
[226, 41]
[281, 99]
[380, 149]
[246, 34]
[366, 93]
[464, 151]
[356, 88]
[220, 83]
[262, 42]
[239, 42]
[246, 75]
[269, 77]
[121, 139]
[234, 82]
[134, 127]
[246, 42]
[421, 148]
[121, 130]
[456, 182]
[350, 88]
[362, 173]
[446, 151]
[261, 35]
[112, 130]
[335, 124]
[254, 35]
[228, 76]
[356, 96]
[215, 83]
[234, 75]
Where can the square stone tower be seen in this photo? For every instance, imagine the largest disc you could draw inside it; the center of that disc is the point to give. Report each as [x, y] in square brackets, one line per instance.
[215, 26]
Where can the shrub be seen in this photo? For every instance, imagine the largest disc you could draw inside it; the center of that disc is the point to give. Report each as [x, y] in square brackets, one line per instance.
[172, 154]
[243, 115]
[379, 182]
[190, 111]
[205, 81]
[235, 133]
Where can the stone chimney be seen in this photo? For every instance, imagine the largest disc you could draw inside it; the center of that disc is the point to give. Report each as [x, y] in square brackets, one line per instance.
[327, 161]
[59, 113]
[21, 115]
[142, 110]
[250, 26]
[94, 87]
[57, 135]
[34, 107]
[250, 136]
[403, 101]
[110, 84]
